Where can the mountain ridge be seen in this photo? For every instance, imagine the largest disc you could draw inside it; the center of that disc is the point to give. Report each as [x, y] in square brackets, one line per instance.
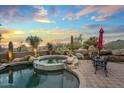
[118, 44]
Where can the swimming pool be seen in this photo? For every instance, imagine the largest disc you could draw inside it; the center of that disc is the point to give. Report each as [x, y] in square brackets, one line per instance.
[25, 76]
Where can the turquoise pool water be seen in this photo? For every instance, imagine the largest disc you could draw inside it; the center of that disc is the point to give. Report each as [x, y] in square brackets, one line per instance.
[26, 77]
[52, 60]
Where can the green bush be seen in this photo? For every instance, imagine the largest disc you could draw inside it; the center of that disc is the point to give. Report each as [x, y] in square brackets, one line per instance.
[89, 42]
[76, 45]
[60, 49]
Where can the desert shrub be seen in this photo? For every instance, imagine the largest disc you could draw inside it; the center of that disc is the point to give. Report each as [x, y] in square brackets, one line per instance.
[76, 45]
[60, 48]
[89, 42]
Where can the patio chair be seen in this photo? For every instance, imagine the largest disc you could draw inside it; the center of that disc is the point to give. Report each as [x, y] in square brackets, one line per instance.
[101, 62]
[93, 56]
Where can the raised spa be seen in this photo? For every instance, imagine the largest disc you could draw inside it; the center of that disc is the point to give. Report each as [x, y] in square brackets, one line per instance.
[50, 62]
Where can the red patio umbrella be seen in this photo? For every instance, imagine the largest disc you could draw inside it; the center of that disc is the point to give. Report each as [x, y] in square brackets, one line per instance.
[100, 41]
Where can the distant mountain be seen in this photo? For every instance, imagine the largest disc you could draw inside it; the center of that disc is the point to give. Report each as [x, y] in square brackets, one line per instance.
[119, 44]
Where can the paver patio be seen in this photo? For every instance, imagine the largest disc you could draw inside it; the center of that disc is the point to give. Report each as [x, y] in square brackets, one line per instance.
[115, 78]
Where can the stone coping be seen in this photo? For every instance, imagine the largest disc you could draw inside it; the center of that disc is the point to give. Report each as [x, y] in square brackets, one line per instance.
[76, 72]
[52, 67]
[2, 67]
[14, 64]
[45, 64]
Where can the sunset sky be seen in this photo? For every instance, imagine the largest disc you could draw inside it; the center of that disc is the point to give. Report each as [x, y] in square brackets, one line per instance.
[57, 23]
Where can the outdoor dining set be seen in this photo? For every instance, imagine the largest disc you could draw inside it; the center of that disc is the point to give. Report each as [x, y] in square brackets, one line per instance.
[99, 62]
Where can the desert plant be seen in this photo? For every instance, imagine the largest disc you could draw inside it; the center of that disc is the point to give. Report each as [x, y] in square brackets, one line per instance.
[90, 41]
[76, 45]
[0, 40]
[79, 38]
[50, 47]
[22, 48]
[72, 42]
[34, 41]
[60, 48]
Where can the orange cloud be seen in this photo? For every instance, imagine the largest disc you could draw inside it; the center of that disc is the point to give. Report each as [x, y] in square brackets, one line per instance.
[57, 31]
[10, 35]
[105, 12]
[86, 10]
[62, 40]
[56, 35]
[54, 40]
[109, 9]
[8, 32]
[43, 20]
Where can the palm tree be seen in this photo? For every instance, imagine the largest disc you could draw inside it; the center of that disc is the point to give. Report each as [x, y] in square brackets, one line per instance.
[34, 41]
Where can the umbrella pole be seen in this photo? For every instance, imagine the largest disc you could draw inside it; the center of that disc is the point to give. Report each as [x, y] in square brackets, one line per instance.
[99, 52]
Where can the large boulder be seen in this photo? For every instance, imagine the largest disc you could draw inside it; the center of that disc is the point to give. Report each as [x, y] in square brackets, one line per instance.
[25, 58]
[82, 51]
[70, 60]
[18, 59]
[75, 61]
[92, 49]
[79, 56]
[115, 58]
[106, 52]
[118, 52]
[31, 59]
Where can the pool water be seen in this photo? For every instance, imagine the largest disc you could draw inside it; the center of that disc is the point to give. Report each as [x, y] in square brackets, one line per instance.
[52, 60]
[30, 78]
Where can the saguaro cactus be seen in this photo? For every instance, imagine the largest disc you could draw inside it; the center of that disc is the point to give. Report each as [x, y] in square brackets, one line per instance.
[72, 41]
[0, 40]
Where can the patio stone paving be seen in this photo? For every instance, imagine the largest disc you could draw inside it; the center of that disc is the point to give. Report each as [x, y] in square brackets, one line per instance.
[88, 79]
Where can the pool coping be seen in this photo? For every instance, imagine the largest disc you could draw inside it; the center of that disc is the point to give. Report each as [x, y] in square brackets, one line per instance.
[3, 66]
[76, 72]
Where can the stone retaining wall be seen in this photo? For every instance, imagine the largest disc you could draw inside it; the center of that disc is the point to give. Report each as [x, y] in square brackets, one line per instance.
[21, 54]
